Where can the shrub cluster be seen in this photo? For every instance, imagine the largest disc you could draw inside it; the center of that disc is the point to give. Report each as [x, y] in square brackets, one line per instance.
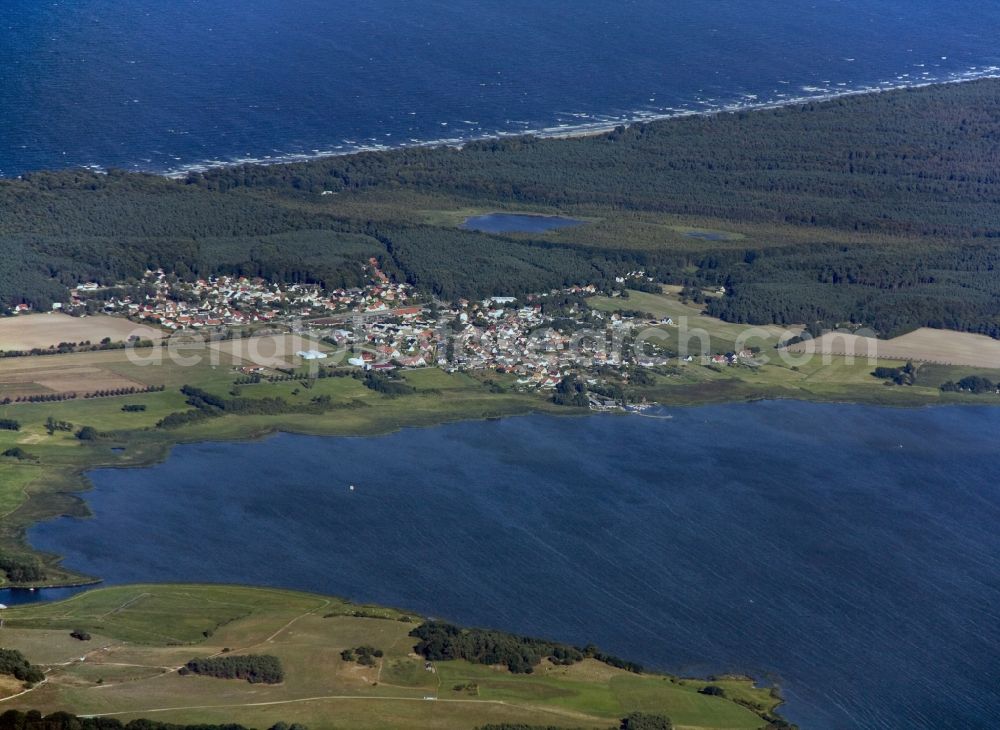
[646, 721]
[972, 384]
[905, 375]
[254, 668]
[21, 570]
[13, 663]
[88, 433]
[363, 655]
[440, 641]
[52, 425]
[16, 452]
[386, 383]
[571, 391]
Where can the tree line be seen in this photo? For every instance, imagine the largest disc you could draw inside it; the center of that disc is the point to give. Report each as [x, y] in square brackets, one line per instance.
[254, 668]
[35, 720]
[441, 641]
[58, 397]
[66, 347]
[971, 384]
[208, 405]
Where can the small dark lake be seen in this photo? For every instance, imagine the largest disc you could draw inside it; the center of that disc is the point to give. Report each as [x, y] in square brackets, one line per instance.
[848, 553]
[514, 223]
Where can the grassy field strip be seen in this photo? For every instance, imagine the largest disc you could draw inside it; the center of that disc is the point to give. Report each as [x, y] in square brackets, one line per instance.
[125, 605]
[534, 708]
[15, 484]
[270, 639]
[284, 628]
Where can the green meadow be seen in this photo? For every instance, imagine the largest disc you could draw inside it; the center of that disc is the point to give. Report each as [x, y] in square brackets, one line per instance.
[142, 634]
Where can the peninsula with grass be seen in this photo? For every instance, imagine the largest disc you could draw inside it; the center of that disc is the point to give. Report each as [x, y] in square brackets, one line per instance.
[194, 655]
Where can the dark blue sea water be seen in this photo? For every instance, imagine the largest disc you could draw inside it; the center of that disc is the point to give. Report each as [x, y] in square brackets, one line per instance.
[164, 84]
[848, 553]
[514, 223]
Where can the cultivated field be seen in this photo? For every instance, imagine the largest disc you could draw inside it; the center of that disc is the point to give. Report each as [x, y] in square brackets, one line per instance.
[945, 347]
[29, 331]
[143, 634]
[84, 372]
[83, 379]
[269, 351]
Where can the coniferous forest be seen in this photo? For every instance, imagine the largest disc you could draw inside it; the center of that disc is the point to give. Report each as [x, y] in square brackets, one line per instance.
[882, 210]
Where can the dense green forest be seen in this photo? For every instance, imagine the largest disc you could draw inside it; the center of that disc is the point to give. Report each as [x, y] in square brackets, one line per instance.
[880, 209]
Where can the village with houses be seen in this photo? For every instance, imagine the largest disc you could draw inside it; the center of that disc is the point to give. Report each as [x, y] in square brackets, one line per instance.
[538, 339]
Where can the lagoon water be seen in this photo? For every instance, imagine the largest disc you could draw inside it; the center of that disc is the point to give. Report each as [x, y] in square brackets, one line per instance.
[158, 85]
[514, 223]
[848, 553]
[24, 596]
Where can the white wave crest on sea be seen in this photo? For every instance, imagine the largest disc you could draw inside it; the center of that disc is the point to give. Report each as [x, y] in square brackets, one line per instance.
[579, 124]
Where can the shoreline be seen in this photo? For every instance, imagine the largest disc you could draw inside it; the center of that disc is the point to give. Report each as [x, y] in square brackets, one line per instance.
[559, 131]
[589, 129]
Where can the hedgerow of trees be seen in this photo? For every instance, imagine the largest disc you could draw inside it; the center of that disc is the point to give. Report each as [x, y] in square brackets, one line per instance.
[441, 641]
[254, 668]
[34, 720]
[971, 384]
